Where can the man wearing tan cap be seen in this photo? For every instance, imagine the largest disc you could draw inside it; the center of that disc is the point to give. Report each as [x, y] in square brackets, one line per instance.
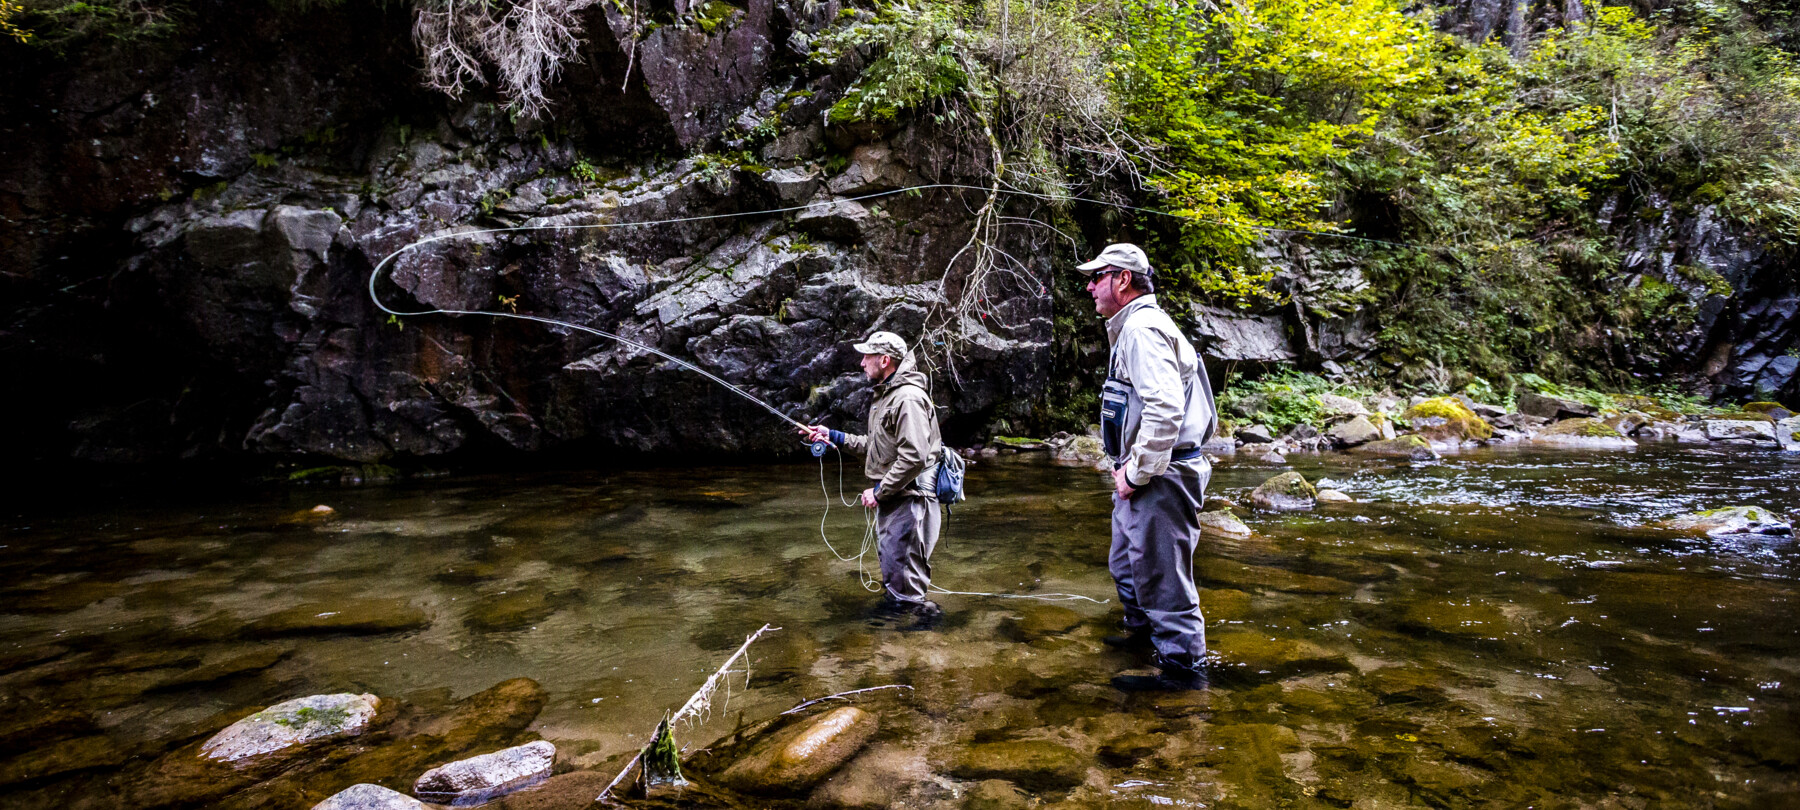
[1156, 410]
[902, 451]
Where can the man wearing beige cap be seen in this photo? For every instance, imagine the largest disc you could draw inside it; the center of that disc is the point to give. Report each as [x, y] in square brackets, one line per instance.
[902, 451]
[1156, 410]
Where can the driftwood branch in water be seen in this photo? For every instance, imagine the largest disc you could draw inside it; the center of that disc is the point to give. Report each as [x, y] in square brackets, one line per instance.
[697, 703]
[844, 695]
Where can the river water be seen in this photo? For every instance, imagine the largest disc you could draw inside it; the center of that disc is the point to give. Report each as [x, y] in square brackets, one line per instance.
[1496, 628]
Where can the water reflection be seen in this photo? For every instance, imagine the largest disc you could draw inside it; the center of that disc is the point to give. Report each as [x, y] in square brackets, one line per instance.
[1496, 627]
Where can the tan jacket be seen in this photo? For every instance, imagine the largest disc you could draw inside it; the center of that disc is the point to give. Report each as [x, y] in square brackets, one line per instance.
[903, 442]
[1171, 398]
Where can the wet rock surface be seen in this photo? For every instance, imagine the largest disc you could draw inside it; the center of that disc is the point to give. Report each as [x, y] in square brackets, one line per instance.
[369, 797]
[1223, 523]
[1591, 434]
[796, 759]
[292, 723]
[352, 616]
[1729, 520]
[1287, 492]
[485, 777]
[1412, 447]
[1033, 765]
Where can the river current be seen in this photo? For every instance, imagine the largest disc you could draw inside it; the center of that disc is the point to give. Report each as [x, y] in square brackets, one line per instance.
[1501, 628]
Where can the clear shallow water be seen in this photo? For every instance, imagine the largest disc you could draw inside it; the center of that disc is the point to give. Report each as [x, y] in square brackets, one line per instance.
[1497, 628]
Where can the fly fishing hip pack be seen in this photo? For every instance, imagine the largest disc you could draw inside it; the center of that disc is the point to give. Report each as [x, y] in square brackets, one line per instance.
[950, 477]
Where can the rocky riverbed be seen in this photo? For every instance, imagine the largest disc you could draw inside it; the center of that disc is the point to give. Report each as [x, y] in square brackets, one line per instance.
[1512, 624]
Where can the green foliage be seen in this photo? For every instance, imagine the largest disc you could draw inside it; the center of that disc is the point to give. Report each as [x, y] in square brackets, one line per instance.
[585, 171]
[1251, 102]
[1284, 398]
[922, 62]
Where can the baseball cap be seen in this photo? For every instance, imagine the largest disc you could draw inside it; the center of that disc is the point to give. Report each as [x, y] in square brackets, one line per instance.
[886, 343]
[1122, 255]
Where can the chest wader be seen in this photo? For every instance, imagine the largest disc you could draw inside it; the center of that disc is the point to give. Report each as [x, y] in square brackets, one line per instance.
[1154, 534]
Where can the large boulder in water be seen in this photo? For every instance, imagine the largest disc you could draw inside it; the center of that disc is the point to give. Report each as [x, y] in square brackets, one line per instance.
[1445, 419]
[1287, 492]
[292, 723]
[1586, 434]
[1755, 430]
[478, 779]
[794, 760]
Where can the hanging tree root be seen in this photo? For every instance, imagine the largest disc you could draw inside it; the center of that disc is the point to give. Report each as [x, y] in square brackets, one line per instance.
[662, 751]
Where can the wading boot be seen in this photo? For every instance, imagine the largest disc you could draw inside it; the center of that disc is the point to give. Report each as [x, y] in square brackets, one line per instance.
[1170, 679]
[1173, 677]
[906, 616]
[1131, 641]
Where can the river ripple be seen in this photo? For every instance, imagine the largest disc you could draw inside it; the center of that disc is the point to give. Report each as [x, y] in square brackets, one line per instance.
[1499, 627]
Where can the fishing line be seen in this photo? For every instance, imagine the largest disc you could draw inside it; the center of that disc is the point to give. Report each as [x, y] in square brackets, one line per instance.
[818, 448]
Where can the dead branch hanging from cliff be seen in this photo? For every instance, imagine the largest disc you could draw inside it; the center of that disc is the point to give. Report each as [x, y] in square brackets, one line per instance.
[525, 42]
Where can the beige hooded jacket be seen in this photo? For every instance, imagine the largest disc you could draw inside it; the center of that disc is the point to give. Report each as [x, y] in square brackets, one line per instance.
[903, 443]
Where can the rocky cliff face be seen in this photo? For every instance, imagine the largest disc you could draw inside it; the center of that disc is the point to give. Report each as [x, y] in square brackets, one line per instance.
[189, 230]
[238, 318]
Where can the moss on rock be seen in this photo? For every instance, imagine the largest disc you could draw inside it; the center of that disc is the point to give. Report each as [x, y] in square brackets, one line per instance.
[1446, 419]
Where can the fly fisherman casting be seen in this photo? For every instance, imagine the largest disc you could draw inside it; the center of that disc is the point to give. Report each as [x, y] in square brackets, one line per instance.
[902, 452]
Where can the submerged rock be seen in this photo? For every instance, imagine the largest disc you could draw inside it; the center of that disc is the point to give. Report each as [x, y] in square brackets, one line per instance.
[1409, 446]
[67, 756]
[479, 779]
[1590, 434]
[1217, 570]
[253, 661]
[513, 610]
[1729, 520]
[291, 723]
[1030, 764]
[1276, 656]
[1467, 619]
[369, 797]
[352, 616]
[1287, 492]
[1223, 523]
[1334, 496]
[793, 761]
[1040, 621]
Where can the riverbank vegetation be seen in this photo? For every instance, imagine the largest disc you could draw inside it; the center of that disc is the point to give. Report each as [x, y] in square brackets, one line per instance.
[1483, 191]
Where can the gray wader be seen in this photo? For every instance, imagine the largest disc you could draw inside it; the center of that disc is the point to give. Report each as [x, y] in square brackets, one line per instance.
[906, 530]
[1152, 561]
